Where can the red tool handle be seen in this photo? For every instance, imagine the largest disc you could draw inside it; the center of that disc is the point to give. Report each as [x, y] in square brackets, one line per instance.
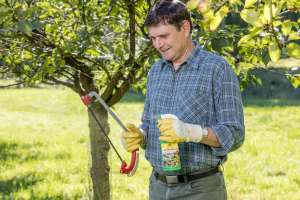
[129, 170]
[86, 99]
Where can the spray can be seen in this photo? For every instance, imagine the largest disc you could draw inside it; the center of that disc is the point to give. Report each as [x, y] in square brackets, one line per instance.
[170, 152]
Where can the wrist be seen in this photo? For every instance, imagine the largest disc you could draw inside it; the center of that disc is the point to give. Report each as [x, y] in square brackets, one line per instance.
[204, 133]
[144, 138]
[194, 133]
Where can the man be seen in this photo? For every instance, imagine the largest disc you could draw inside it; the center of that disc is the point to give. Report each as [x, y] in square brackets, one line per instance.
[200, 93]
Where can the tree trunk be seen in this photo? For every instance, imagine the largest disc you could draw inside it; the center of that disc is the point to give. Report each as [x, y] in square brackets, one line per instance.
[99, 151]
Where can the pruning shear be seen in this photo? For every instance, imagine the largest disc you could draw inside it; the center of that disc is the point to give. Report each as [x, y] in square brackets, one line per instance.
[124, 169]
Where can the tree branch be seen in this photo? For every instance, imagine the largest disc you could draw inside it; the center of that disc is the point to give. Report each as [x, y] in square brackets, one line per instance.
[10, 85]
[132, 23]
[95, 63]
[112, 84]
[119, 93]
[61, 82]
[5, 70]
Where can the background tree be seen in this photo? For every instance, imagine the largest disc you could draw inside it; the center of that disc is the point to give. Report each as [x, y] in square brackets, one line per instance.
[84, 45]
[102, 46]
[249, 33]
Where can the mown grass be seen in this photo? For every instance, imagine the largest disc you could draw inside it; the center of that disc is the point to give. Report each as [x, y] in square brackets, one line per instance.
[44, 149]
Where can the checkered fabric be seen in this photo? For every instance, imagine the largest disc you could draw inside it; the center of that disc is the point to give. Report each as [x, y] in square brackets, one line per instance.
[204, 91]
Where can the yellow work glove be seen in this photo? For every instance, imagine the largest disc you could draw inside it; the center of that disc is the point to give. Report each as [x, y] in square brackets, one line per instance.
[132, 139]
[174, 130]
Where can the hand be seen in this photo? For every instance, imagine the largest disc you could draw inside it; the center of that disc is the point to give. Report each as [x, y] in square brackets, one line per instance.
[132, 139]
[174, 130]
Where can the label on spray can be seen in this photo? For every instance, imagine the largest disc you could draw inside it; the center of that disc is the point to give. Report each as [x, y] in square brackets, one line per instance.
[170, 151]
[170, 156]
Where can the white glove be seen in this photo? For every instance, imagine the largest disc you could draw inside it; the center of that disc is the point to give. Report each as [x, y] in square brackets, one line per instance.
[174, 130]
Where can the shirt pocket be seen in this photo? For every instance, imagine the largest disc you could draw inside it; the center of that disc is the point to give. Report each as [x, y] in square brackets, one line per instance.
[193, 108]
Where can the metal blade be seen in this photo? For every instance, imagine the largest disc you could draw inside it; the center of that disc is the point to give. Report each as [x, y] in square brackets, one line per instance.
[102, 102]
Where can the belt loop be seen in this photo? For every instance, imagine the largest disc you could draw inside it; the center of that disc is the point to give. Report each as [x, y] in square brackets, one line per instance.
[186, 179]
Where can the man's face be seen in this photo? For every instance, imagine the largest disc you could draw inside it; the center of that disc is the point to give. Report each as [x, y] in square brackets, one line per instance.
[170, 42]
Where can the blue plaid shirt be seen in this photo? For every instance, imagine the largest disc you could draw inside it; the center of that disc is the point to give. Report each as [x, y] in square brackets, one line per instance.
[204, 91]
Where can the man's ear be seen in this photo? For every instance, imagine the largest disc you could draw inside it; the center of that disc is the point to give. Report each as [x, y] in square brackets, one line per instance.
[186, 28]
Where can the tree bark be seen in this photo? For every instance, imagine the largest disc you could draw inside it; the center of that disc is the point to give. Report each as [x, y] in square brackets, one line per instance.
[99, 152]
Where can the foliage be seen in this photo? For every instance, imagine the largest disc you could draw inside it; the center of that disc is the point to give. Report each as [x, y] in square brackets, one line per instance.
[83, 45]
[105, 42]
[86, 45]
[249, 34]
[102, 45]
[271, 85]
[44, 156]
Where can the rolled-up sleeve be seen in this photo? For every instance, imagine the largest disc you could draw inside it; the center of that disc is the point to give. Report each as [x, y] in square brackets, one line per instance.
[146, 115]
[229, 128]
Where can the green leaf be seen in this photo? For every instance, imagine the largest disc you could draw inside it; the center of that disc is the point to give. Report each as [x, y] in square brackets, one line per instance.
[11, 3]
[25, 27]
[219, 43]
[274, 52]
[265, 57]
[295, 80]
[249, 15]
[293, 50]
[294, 36]
[27, 68]
[245, 65]
[267, 14]
[92, 52]
[4, 13]
[286, 27]
[223, 11]
[235, 2]
[36, 25]
[249, 3]
[192, 4]
[215, 22]
[245, 38]
[252, 34]
[208, 15]
[275, 10]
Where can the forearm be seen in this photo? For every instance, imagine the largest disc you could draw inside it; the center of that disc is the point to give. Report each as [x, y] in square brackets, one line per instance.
[211, 139]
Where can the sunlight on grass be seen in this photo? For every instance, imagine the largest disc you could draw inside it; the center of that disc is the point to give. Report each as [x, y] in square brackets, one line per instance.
[44, 149]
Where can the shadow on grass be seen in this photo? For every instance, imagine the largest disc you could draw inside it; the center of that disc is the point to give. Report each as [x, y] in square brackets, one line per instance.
[8, 151]
[19, 153]
[21, 182]
[258, 102]
[13, 153]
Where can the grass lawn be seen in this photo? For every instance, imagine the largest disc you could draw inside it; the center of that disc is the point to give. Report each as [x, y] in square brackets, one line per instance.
[44, 149]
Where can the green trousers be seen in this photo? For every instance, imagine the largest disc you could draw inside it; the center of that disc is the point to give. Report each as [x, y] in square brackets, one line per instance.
[208, 188]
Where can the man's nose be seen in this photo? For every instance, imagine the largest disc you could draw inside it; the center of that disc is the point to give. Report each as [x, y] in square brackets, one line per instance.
[157, 43]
